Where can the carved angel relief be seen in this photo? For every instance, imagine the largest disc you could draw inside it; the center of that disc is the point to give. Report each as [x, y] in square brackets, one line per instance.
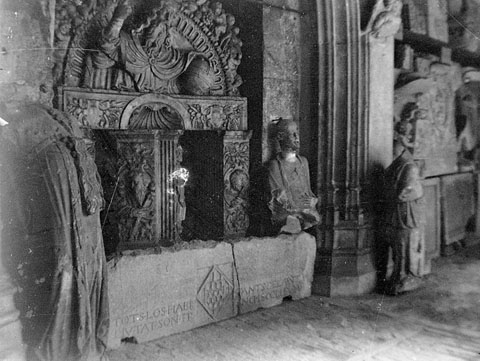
[186, 47]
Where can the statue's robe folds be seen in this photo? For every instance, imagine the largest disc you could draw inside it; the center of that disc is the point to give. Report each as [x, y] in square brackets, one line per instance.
[289, 188]
[124, 63]
[58, 200]
[404, 218]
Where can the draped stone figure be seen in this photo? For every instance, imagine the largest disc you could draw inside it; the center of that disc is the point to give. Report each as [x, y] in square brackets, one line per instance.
[54, 234]
[149, 58]
[293, 204]
[404, 218]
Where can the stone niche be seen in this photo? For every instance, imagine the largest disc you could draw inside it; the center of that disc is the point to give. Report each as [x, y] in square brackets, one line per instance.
[155, 293]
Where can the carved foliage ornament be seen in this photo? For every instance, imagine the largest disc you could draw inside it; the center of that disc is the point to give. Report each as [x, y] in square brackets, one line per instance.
[174, 47]
[236, 163]
[95, 113]
[216, 116]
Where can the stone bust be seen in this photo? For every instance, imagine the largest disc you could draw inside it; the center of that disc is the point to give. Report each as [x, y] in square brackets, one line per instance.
[292, 203]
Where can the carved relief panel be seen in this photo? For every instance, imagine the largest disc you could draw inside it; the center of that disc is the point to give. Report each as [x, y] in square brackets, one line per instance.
[147, 200]
[427, 107]
[170, 47]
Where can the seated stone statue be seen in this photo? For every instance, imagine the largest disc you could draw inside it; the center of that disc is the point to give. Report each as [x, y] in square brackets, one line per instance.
[293, 204]
[404, 219]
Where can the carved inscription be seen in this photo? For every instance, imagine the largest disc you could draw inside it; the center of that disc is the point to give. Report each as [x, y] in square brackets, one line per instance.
[215, 291]
[275, 289]
[165, 316]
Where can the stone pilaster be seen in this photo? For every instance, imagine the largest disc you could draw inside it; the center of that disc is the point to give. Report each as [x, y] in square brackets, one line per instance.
[352, 116]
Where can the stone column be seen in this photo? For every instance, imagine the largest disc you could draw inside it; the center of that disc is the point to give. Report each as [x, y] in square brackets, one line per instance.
[355, 121]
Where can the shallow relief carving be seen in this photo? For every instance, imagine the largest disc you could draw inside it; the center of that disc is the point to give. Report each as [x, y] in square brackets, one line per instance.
[236, 178]
[427, 105]
[103, 109]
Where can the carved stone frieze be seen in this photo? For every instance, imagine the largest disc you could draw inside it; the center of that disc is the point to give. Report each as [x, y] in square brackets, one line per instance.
[235, 172]
[216, 116]
[95, 113]
[112, 110]
[173, 47]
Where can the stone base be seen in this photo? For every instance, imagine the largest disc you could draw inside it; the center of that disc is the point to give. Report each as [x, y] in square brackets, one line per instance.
[155, 293]
[344, 274]
[344, 286]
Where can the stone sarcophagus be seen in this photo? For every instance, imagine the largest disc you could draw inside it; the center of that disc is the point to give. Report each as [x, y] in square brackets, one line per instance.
[158, 86]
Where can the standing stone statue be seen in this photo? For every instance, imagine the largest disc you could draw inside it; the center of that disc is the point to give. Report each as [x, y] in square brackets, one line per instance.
[293, 204]
[54, 236]
[404, 217]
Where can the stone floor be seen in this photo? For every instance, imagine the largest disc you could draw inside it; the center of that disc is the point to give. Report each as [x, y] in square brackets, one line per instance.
[440, 321]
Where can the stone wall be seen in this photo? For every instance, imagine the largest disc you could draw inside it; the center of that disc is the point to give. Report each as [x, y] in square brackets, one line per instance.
[158, 293]
[289, 78]
[25, 63]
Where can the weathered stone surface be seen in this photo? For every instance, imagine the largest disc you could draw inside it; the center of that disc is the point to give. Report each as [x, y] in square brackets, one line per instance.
[282, 40]
[270, 269]
[159, 292]
[458, 207]
[154, 295]
[437, 20]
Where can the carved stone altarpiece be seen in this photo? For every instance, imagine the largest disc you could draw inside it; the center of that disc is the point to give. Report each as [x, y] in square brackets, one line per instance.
[155, 82]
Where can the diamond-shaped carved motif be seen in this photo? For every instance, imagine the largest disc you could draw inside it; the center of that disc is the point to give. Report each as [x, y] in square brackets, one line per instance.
[214, 292]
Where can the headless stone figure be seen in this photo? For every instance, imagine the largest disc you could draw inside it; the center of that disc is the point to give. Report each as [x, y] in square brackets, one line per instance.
[293, 204]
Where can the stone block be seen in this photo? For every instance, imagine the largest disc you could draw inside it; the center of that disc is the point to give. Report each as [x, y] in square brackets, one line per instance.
[270, 269]
[437, 20]
[281, 45]
[157, 294]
